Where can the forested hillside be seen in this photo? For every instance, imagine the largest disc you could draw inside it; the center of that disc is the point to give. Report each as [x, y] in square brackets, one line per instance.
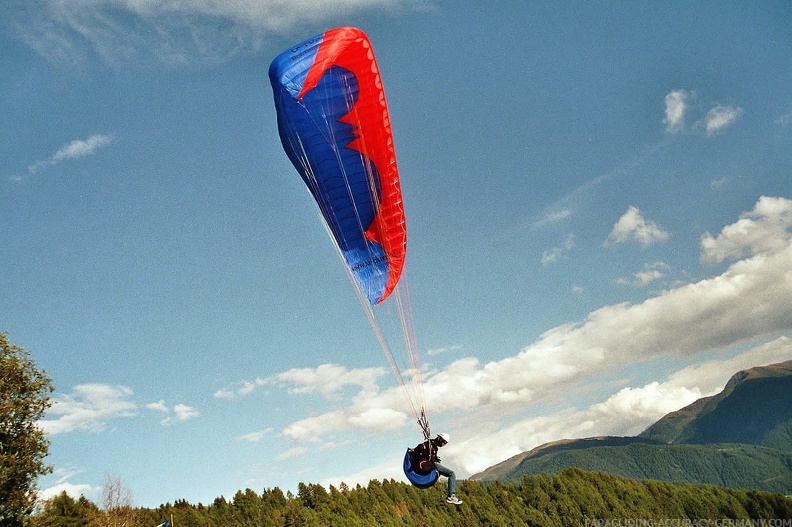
[741, 437]
[726, 465]
[755, 407]
[569, 498]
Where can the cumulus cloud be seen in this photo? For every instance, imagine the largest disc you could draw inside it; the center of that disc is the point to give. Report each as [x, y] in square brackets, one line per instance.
[376, 413]
[182, 412]
[326, 379]
[329, 379]
[764, 230]
[633, 227]
[89, 407]
[629, 411]
[710, 376]
[73, 150]
[747, 303]
[74, 490]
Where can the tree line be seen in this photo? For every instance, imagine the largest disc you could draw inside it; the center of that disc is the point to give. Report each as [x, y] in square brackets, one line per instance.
[572, 497]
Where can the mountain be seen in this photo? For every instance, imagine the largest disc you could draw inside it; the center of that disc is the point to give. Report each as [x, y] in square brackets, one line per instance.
[741, 437]
[754, 408]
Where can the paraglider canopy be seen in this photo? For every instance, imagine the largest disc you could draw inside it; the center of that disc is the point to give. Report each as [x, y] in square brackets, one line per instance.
[334, 126]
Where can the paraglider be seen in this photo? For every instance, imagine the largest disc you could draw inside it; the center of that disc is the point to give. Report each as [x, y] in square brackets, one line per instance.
[422, 466]
[334, 125]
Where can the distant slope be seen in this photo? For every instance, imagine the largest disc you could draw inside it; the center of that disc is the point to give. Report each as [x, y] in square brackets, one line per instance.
[741, 437]
[725, 465]
[754, 408]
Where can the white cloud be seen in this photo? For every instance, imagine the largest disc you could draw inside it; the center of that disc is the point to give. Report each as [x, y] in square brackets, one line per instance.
[380, 413]
[784, 120]
[240, 389]
[379, 419]
[648, 276]
[73, 150]
[63, 473]
[174, 32]
[720, 117]
[89, 407]
[158, 407]
[711, 376]
[555, 253]
[329, 379]
[326, 379]
[553, 216]
[766, 229]
[679, 105]
[255, 437]
[260, 13]
[627, 412]
[81, 147]
[633, 227]
[74, 490]
[632, 409]
[179, 413]
[442, 349]
[182, 412]
[719, 183]
[292, 452]
[380, 472]
[748, 302]
[676, 105]
[650, 273]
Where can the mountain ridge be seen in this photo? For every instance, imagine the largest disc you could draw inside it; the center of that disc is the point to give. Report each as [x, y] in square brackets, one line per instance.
[740, 437]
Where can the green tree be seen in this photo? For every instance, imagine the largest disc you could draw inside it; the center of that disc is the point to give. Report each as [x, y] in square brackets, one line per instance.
[64, 511]
[24, 397]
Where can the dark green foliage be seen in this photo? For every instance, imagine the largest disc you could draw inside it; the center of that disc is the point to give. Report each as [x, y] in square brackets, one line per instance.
[65, 511]
[24, 396]
[572, 497]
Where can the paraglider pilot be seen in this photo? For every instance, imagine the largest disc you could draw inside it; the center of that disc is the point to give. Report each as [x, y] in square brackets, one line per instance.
[426, 454]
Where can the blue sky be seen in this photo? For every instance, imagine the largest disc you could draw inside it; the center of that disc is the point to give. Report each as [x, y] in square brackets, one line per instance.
[599, 214]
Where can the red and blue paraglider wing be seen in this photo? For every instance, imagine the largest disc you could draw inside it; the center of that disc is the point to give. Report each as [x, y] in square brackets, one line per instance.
[334, 125]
